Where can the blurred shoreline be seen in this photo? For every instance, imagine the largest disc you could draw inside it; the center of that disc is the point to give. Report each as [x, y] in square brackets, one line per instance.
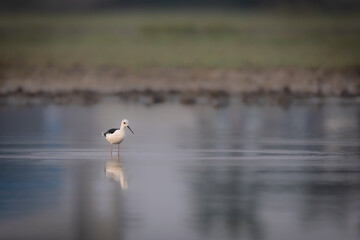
[188, 53]
[159, 85]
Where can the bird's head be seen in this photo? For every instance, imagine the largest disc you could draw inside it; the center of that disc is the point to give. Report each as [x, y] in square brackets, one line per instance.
[125, 123]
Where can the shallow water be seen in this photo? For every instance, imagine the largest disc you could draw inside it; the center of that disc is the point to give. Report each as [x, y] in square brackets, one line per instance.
[189, 172]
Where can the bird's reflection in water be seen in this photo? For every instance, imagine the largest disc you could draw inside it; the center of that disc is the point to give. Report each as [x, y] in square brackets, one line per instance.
[115, 171]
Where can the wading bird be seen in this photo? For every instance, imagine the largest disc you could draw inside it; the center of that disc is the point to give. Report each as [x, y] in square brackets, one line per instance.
[117, 135]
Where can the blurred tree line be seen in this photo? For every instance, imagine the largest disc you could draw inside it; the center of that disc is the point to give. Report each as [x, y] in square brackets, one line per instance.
[240, 4]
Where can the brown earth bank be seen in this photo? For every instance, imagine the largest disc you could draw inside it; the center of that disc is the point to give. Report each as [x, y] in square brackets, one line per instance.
[159, 83]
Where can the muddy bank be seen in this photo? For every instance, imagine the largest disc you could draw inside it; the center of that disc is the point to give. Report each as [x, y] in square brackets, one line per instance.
[156, 85]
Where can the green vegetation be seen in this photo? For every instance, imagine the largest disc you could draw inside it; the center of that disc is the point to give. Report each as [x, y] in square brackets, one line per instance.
[138, 40]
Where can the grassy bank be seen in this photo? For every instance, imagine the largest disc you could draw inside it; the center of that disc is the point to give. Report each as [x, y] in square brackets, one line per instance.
[233, 52]
[142, 40]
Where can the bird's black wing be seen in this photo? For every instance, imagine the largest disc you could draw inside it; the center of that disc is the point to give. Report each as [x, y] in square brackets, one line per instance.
[110, 131]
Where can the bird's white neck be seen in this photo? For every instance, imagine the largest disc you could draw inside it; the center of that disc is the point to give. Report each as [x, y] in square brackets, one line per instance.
[122, 129]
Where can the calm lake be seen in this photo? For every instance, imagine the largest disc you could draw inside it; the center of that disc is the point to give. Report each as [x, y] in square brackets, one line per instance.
[257, 171]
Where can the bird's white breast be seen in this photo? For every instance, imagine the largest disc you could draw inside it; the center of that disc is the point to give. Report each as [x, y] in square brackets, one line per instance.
[116, 138]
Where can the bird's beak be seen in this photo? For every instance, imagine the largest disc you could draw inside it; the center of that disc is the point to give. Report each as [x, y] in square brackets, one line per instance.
[131, 130]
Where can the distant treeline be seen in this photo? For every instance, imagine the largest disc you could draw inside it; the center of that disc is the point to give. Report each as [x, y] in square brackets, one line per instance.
[240, 4]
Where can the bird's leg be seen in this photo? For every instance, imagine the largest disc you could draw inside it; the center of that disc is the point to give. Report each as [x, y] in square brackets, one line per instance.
[111, 150]
[118, 149]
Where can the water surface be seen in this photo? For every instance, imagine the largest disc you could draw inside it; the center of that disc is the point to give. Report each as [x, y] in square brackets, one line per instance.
[190, 172]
